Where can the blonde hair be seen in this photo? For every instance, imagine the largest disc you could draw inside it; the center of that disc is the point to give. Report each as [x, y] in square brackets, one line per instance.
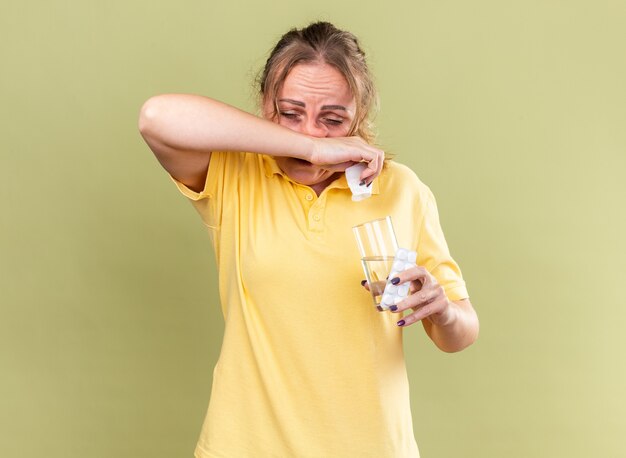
[324, 43]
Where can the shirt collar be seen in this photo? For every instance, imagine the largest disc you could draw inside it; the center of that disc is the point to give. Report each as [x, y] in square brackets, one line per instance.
[272, 168]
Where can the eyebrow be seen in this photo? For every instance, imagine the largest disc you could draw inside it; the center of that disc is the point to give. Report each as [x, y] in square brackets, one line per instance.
[324, 107]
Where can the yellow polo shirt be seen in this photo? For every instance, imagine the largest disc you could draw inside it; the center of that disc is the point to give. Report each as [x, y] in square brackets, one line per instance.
[308, 367]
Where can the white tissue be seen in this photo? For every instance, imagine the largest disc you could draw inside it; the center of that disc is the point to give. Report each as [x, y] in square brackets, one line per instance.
[353, 176]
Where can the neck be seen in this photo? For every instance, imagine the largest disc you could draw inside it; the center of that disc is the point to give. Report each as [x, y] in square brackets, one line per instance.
[319, 187]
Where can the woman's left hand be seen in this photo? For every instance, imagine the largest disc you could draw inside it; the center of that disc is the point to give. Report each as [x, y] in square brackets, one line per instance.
[452, 325]
[426, 298]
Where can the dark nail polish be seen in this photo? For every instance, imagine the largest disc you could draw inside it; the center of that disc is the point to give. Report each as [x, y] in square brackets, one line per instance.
[393, 308]
[379, 308]
[363, 282]
[395, 281]
[369, 184]
[362, 183]
[401, 323]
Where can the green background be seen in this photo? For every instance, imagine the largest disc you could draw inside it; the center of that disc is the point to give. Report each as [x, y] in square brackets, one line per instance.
[513, 112]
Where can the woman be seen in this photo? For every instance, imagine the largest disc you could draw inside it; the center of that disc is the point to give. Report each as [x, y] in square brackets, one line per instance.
[308, 368]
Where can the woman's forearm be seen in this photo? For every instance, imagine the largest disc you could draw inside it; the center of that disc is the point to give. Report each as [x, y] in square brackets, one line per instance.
[188, 122]
[459, 333]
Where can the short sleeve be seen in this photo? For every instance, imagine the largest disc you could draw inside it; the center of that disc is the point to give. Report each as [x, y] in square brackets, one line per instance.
[434, 255]
[221, 174]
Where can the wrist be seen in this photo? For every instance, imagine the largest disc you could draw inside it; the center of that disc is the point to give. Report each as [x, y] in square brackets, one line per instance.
[294, 144]
[306, 147]
[446, 317]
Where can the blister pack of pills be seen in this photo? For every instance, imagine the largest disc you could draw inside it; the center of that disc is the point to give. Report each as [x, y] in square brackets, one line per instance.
[403, 260]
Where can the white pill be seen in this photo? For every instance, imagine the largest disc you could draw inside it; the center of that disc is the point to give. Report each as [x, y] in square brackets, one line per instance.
[394, 294]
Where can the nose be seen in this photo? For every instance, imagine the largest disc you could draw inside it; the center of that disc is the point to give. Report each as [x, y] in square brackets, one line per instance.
[314, 128]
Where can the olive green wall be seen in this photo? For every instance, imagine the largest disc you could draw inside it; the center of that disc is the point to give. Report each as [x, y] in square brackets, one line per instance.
[513, 112]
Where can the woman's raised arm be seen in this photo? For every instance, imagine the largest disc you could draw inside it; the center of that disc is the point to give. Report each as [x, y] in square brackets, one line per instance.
[183, 129]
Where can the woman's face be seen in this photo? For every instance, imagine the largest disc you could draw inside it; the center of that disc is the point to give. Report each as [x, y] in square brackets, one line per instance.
[315, 100]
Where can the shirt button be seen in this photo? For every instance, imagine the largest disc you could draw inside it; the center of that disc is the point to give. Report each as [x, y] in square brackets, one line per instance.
[316, 217]
[309, 197]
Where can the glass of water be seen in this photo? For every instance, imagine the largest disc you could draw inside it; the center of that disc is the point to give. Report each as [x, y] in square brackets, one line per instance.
[377, 246]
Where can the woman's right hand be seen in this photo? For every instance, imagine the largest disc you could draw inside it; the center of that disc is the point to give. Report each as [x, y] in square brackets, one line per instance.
[339, 153]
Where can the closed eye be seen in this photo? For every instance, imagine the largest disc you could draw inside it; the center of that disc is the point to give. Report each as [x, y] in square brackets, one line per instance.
[335, 122]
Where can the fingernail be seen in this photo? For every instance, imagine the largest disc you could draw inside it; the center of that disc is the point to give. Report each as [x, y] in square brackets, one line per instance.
[369, 184]
[401, 323]
[393, 308]
[362, 183]
[363, 282]
[395, 281]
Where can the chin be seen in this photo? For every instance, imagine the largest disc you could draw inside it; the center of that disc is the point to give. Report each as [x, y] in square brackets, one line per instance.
[303, 177]
[303, 172]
